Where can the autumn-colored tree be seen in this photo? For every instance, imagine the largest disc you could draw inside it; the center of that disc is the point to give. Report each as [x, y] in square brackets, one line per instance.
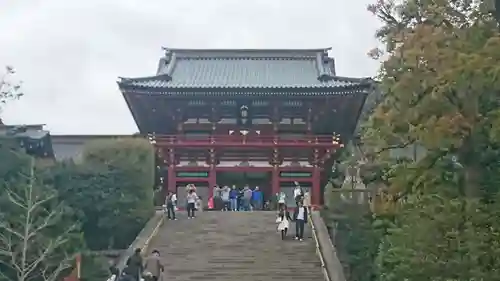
[440, 79]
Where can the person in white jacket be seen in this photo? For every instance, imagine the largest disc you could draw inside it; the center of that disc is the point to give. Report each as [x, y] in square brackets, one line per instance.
[298, 194]
[191, 199]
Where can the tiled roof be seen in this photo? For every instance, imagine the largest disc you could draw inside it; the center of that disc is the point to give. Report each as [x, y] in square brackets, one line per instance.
[32, 138]
[183, 68]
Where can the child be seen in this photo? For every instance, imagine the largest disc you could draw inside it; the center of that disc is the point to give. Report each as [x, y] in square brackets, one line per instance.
[284, 221]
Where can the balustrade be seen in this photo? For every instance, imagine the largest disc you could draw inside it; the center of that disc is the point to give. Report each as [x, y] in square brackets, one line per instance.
[238, 140]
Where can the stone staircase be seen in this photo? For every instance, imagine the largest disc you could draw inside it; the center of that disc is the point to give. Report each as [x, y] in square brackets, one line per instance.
[234, 246]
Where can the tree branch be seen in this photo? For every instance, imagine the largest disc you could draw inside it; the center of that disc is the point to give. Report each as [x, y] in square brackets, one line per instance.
[403, 145]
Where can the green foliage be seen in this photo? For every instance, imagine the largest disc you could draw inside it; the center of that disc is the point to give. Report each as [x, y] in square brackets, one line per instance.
[360, 241]
[108, 196]
[355, 236]
[38, 236]
[13, 161]
[112, 189]
[442, 93]
[94, 268]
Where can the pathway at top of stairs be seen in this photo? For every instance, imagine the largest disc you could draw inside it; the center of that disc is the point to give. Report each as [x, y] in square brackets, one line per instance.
[234, 246]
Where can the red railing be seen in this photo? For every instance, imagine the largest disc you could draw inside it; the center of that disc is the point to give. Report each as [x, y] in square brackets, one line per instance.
[248, 140]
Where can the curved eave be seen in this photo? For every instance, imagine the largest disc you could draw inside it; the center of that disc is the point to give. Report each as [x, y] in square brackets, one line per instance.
[362, 87]
[131, 108]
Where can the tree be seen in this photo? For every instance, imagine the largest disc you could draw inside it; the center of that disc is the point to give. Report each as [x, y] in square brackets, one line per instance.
[112, 188]
[14, 161]
[9, 89]
[37, 241]
[441, 90]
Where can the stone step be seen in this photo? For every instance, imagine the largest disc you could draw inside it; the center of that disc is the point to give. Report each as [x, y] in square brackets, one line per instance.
[234, 246]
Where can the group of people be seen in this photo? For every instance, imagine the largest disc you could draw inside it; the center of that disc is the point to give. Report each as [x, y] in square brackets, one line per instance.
[300, 214]
[136, 268]
[227, 198]
[193, 203]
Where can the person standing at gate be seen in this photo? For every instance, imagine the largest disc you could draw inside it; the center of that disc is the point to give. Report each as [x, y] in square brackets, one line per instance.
[247, 198]
[298, 194]
[217, 193]
[191, 200]
[281, 198]
[225, 194]
[233, 198]
[171, 203]
[300, 218]
[239, 199]
[257, 199]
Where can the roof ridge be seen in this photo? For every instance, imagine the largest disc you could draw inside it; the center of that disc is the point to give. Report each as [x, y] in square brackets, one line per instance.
[245, 53]
[246, 58]
[247, 50]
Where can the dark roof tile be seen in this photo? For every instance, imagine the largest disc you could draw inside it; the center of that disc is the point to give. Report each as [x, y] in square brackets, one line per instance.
[181, 68]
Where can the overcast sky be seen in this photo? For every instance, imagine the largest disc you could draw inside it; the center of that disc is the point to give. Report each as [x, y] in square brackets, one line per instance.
[69, 53]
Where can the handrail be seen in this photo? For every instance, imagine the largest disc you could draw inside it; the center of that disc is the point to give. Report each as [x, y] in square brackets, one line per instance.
[329, 138]
[248, 139]
[142, 240]
[318, 248]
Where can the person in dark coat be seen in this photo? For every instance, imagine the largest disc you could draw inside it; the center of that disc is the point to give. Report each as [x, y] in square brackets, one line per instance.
[300, 218]
[135, 265]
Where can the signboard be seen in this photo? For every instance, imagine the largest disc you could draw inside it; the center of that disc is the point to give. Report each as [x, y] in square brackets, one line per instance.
[295, 174]
[192, 174]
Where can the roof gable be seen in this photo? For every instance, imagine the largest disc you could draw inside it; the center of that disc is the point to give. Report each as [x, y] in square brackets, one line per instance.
[233, 68]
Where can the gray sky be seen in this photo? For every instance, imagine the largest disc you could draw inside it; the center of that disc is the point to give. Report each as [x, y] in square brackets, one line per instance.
[69, 53]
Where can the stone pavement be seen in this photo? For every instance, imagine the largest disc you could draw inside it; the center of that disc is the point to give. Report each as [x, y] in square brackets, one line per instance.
[234, 246]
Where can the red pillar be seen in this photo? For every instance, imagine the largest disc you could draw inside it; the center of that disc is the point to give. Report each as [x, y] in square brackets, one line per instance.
[316, 190]
[275, 181]
[171, 179]
[212, 180]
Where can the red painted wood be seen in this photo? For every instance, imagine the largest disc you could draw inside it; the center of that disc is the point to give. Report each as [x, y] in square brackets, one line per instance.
[191, 180]
[296, 169]
[292, 144]
[212, 181]
[171, 179]
[244, 169]
[192, 169]
[306, 139]
[275, 179]
[299, 180]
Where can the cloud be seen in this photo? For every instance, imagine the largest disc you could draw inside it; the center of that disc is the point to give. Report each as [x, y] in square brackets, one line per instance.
[70, 53]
